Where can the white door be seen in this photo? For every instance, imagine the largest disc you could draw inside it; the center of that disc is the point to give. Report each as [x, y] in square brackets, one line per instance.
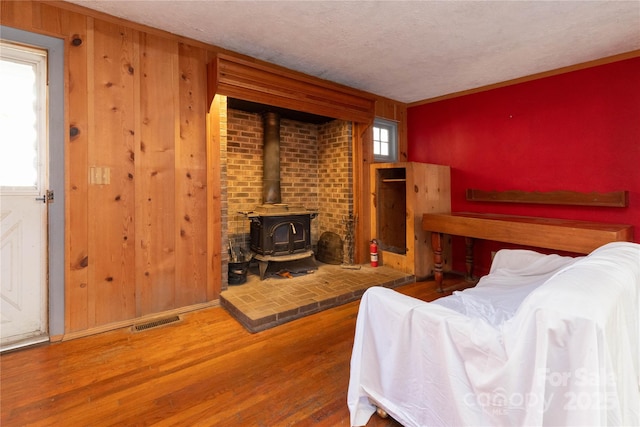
[23, 195]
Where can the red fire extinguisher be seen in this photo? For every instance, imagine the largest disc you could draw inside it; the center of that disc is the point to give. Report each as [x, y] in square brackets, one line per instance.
[373, 248]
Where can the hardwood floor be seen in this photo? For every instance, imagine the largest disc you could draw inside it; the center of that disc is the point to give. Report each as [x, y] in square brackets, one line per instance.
[204, 370]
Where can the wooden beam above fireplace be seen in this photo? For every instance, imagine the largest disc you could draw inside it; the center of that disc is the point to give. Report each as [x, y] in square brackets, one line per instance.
[272, 85]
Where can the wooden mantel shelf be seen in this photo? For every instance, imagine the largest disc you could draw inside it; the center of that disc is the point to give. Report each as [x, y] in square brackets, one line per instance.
[558, 234]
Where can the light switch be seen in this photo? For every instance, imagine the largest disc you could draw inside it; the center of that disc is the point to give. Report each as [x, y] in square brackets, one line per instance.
[99, 175]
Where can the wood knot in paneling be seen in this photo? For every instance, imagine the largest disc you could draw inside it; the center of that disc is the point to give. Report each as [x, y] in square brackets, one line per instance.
[84, 262]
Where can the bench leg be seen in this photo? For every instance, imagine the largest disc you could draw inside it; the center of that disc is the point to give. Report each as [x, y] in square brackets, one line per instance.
[469, 241]
[436, 244]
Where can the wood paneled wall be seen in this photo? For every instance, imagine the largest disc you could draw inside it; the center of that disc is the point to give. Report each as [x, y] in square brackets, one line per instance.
[136, 167]
[362, 159]
[142, 181]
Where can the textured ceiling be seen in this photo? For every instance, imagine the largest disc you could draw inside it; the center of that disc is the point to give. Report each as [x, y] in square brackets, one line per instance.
[404, 50]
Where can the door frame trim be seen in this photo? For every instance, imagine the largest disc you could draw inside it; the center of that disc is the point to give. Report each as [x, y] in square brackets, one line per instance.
[56, 117]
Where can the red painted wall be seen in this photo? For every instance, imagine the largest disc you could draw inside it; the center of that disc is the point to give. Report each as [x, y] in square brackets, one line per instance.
[577, 131]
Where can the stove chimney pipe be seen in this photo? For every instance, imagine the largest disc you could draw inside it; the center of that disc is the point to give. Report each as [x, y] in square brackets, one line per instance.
[271, 159]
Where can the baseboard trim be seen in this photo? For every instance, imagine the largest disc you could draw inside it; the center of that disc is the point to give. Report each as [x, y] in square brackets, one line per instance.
[143, 319]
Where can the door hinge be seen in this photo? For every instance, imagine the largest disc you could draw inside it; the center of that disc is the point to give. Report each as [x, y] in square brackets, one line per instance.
[47, 198]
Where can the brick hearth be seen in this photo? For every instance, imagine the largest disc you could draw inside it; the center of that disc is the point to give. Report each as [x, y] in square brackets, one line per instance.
[260, 305]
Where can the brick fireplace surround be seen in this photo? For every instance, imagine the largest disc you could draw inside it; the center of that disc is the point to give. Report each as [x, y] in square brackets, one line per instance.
[315, 172]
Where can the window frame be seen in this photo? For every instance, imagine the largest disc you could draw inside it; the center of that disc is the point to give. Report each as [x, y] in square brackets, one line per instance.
[392, 127]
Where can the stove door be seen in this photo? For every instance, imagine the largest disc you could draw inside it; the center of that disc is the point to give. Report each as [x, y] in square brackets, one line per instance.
[290, 236]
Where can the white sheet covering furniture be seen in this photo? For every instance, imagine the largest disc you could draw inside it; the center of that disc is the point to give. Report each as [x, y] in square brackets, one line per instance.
[541, 340]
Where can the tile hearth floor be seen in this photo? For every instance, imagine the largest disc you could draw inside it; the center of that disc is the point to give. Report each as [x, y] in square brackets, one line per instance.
[262, 304]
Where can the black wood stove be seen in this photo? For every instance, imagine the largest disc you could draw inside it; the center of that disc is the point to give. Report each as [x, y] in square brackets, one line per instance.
[279, 233]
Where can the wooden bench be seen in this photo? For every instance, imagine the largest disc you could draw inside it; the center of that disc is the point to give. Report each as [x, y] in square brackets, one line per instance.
[558, 234]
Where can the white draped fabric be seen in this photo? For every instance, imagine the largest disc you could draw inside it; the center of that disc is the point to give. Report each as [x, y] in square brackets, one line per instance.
[541, 340]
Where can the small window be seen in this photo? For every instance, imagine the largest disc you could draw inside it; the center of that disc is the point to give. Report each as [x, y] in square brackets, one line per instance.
[385, 140]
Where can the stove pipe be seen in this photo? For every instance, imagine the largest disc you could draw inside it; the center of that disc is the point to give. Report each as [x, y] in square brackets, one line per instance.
[271, 159]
